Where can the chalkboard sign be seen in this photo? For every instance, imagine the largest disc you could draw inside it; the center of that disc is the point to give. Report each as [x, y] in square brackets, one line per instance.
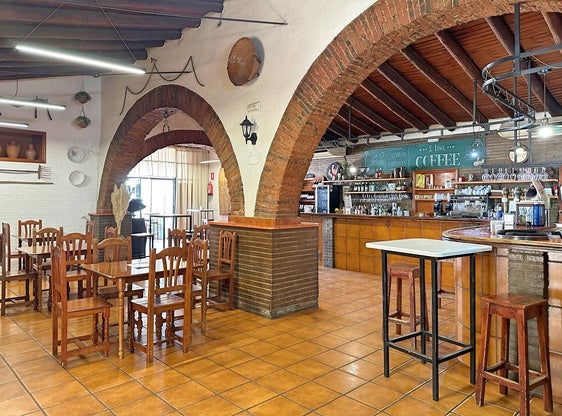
[463, 153]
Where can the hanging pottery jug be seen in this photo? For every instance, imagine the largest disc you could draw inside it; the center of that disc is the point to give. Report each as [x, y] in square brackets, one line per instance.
[30, 153]
[13, 150]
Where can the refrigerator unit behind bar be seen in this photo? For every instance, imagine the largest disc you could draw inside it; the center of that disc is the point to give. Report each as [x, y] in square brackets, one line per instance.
[328, 198]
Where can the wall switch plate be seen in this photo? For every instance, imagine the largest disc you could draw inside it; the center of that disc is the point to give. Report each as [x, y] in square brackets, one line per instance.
[254, 106]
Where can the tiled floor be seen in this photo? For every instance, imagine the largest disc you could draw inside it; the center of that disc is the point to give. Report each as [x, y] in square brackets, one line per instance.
[326, 361]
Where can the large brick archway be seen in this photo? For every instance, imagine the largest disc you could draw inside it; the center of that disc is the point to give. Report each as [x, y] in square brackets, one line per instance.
[128, 146]
[381, 31]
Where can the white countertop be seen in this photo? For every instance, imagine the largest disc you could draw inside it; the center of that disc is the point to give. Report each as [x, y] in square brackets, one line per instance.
[429, 248]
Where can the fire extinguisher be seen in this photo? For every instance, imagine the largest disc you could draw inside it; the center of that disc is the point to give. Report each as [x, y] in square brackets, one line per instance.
[210, 188]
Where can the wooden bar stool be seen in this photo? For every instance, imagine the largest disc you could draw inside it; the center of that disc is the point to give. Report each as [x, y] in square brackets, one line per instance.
[411, 272]
[521, 309]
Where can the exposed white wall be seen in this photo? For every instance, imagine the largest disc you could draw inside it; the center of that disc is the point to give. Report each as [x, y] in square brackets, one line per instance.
[59, 204]
[289, 50]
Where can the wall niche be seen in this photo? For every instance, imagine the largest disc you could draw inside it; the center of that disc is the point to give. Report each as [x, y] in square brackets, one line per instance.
[22, 146]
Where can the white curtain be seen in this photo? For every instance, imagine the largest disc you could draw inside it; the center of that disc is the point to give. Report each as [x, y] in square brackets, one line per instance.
[184, 165]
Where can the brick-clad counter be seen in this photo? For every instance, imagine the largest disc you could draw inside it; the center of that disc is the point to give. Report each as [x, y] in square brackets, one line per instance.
[276, 271]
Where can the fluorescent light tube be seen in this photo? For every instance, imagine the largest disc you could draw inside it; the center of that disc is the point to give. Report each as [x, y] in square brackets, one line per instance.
[79, 59]
[32, 103]
[16, 124]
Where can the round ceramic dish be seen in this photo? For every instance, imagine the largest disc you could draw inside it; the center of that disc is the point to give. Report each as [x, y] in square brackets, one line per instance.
[77, 177]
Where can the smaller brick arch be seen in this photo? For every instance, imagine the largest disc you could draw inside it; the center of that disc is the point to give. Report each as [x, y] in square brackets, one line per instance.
[128, 146]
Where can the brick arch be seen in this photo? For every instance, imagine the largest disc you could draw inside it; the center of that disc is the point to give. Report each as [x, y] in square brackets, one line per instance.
[382, 30]
[128, 146]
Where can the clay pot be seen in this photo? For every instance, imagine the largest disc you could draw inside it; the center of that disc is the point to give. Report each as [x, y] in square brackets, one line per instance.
[13, 150]
[30, 153]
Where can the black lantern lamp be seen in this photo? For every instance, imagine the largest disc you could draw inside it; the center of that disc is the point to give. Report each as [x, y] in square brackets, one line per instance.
[247, 131]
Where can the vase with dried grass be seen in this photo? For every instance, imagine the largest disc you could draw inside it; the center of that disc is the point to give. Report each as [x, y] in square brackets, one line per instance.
[119, 202]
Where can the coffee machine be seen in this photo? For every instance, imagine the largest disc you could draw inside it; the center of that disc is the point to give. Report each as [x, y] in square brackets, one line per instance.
[441, 208]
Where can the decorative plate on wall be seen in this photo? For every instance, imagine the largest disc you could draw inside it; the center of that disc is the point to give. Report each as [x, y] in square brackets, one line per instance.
[77, 177]
[244, 62]
[76, 154]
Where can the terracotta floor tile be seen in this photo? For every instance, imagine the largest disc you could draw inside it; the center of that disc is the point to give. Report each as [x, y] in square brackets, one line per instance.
[334, 358]
[82, 406]
[212, 406]
[283, 340]
[222, 380]
[199, 368]
[11, 389]
[259, 348]
[310, 368]
[151, 405]
[311, 395]
[163, 380]
[20, 405]
[272, 408]
[340, 381]
[346, 406]
[307, 349]
[248, 395]
[185, 394]
[101, 381]
[364, 369]
[281, 381]
[282, 358]
[255, 368]
[374, 395]
[231, 357]
[53, 395]
[123, 394]
[404, 407]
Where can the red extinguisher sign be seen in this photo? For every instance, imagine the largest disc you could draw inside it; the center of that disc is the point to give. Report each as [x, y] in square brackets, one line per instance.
[210, 188]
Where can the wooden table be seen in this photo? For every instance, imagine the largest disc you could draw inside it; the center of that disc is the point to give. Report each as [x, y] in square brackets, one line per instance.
[433, 251]
[121, 273]
[39, 253]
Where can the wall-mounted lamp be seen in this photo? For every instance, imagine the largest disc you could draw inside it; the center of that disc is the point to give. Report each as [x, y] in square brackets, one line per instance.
[247, 126]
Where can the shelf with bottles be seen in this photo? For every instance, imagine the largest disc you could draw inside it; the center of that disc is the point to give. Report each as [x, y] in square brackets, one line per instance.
[307, 198]
[378, 186]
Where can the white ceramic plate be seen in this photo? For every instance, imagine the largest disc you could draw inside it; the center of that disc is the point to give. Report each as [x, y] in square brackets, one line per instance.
[77, 177]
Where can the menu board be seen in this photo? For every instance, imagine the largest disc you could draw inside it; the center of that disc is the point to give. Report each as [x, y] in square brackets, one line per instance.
[463, 153]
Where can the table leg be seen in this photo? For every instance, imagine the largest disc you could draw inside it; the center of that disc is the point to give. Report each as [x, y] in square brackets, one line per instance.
[423, 307]
[473, 318]
[434, 331]
[385, 311]
[121, 315]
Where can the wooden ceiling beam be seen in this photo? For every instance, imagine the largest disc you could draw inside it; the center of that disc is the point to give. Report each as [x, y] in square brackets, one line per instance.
[371, 88]
[442, 83]
[373, 117]
[97, 19]
[413, 94]
[357, 124]
[18, 32]
[554, 23]
[337, 129]
[466, 63]
[506, 38]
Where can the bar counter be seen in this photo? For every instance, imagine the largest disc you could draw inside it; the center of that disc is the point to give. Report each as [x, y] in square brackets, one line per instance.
[531, 267]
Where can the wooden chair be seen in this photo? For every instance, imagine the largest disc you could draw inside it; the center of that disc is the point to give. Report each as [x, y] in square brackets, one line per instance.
[65, 309]
[177, 237]
[25, 229]
[213, 279]
[20, 275]
[169, 270]
[202, 231]
[79, 249]
[46, 236]
[90, 225]
[116, 249]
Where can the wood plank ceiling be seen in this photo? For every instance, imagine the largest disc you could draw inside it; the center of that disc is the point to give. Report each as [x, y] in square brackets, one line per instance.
[431, 82]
